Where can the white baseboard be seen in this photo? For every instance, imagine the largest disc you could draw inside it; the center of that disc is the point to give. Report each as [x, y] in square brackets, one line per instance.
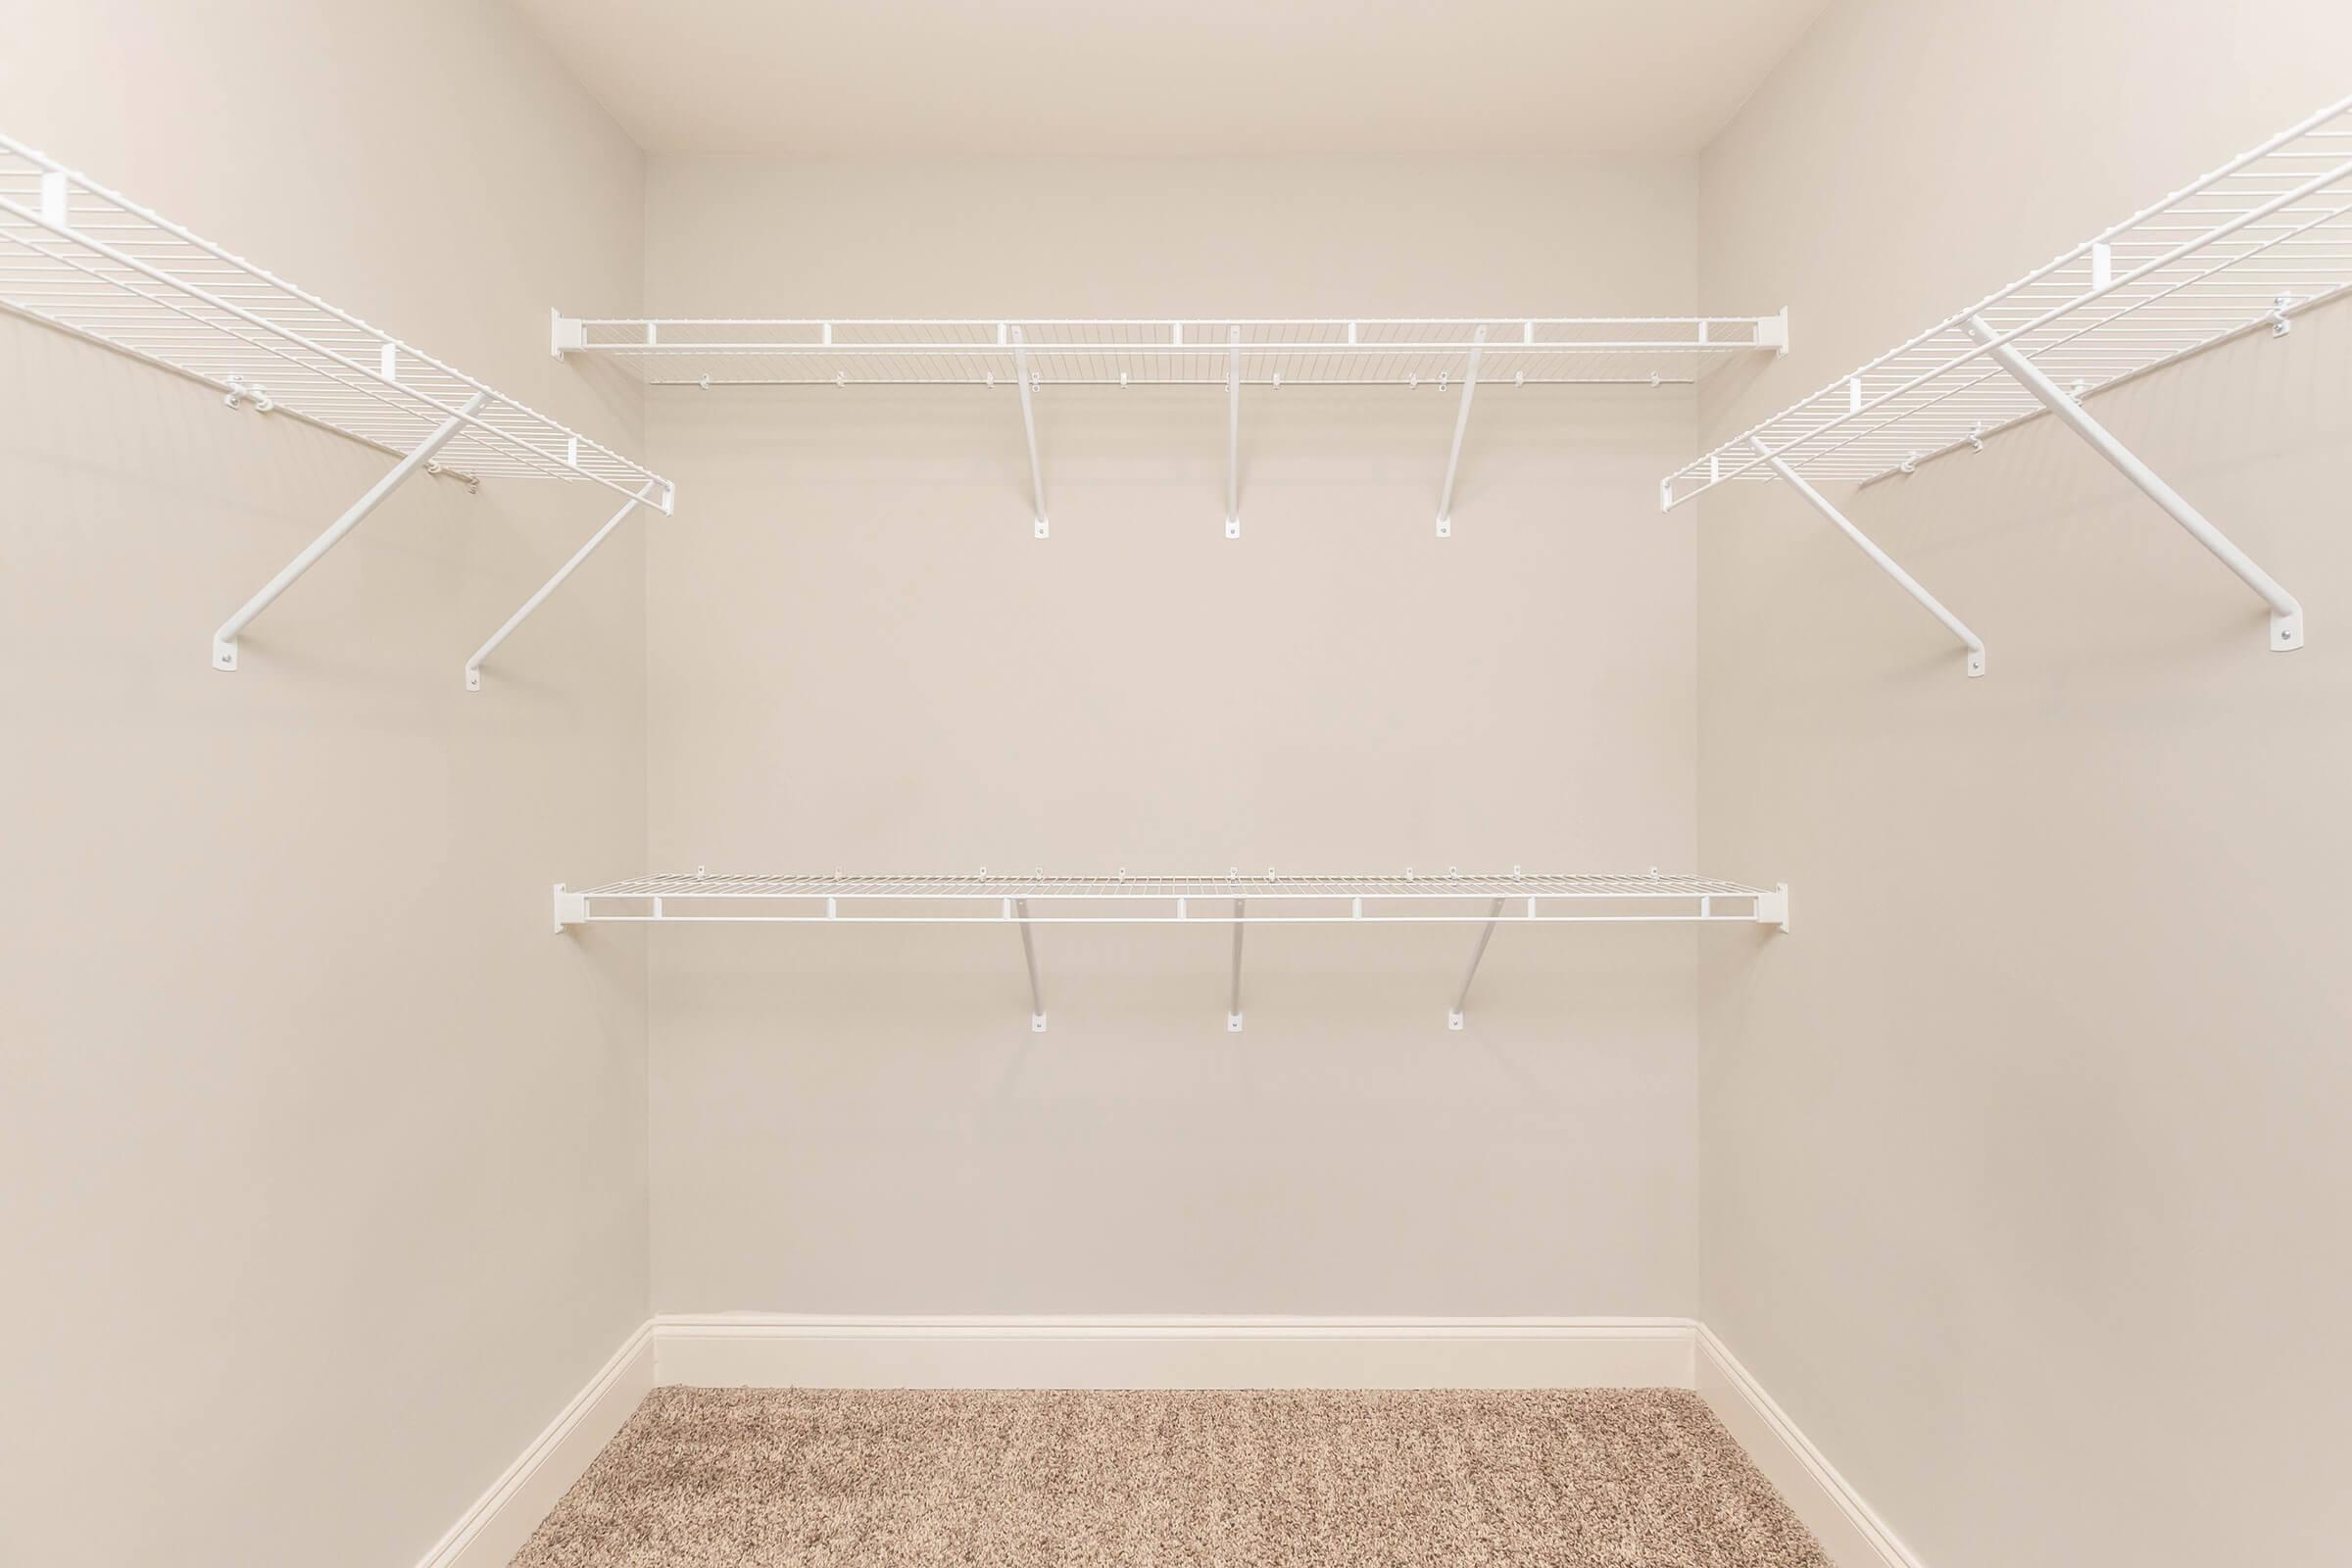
[503, 1518]
[771, 1350]
[776, 1350]
[1853, 1535]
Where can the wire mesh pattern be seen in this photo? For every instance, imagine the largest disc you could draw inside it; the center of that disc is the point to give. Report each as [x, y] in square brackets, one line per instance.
[2262, 238]
[83, 257]
[1528, 350]
[1120, 898]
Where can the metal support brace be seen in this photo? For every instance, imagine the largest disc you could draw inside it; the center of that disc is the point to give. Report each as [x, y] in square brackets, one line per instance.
[2287, 614]
[1910, 585]
[1232, 439]
[1772, 908]
[224, 641]
[1454, 1019]
[1037, 994]
[572, 908]
[1037, 475]
[473, 665]
[1461, 424]
[1233, 1009]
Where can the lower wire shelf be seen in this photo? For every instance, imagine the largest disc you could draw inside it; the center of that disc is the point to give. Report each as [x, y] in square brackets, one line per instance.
[1231, 900]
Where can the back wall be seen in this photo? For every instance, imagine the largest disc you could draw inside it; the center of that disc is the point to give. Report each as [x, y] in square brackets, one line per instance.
[861, 660]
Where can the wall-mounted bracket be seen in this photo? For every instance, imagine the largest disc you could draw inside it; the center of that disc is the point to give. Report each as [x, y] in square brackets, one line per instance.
[473, 665]
[2287, 614]
[1232, 439]
[1039, 528]
[1974, 644]
[1772, 332]
[1461, 1000]
[572, 908]
[1037, 992]
[1772, 908]
[1233, 1005]
[565, 334]
[224, 641]
[1461, 424]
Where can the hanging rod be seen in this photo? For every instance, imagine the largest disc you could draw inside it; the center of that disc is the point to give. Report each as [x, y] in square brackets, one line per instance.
[2250, 247]
[1231, 900]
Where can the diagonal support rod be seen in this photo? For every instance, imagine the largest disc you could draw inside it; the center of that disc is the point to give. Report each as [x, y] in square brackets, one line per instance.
[224, 641]
[1454, 1019]
[1037, 474]
[1233, 1006]
[2287, 614]
[1910, 585]
[473, 665]
[1037, 992]
[1233, 435]
[1461, 424]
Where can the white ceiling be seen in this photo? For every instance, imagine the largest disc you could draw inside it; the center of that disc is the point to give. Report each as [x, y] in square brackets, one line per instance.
[1157, 77]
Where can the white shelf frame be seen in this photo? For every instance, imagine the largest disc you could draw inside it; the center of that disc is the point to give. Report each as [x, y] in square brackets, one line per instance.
[2248, 247]
[80, 257]
[1439, 353]
[1233, 899]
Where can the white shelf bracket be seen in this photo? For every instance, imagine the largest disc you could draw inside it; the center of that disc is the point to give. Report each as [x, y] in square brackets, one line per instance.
[1037, 474]
[1037, 992]
[1232, 439]
[572, 908]
[1453, 1016]
[2287, 614]
[1772, 908]
[1233, 1006]
[224, 641]
[565, 334]
[1461, 426]
[1910, 585]
[473, 665]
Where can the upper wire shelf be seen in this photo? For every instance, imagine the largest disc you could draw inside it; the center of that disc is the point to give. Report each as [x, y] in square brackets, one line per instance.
[86, 259]
[2261, 239]
[1155, 899]
[1230, 900]
[1627, 351]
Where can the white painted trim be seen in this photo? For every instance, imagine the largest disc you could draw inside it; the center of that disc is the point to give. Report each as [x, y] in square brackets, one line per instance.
[502, 1519]
[757, 1350]
[780, 1351]
[1849, 1530]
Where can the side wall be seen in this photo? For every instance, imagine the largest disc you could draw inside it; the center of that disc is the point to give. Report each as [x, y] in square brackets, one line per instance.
[862, 659]
[323, 1160]
[2026, 1189]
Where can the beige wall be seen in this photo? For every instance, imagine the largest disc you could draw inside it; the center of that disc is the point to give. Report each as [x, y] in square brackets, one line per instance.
[323, 1160]
[861, 660]
[2024, 1169]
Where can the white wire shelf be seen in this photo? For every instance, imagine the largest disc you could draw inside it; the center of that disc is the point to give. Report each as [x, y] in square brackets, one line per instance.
[1538, 351]
[1233, 899]
[88, 260]
[2261, 239]
[79, 256]
[2248, 247]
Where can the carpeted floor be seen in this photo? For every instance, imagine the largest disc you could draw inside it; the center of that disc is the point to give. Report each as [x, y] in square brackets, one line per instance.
[759, 1477]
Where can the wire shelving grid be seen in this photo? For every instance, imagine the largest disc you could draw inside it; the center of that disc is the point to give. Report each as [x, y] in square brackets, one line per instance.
[86, 259]
[1231, 901]
[1167, 900]
[1644, 351]
[2261, 239]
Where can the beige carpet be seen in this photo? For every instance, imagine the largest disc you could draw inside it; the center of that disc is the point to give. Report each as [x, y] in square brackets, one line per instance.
[755, 1478]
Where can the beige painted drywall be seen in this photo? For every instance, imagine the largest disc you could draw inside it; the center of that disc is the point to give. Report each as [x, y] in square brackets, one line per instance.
[322, 1160]
[2025, 1182]
[861, 660]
